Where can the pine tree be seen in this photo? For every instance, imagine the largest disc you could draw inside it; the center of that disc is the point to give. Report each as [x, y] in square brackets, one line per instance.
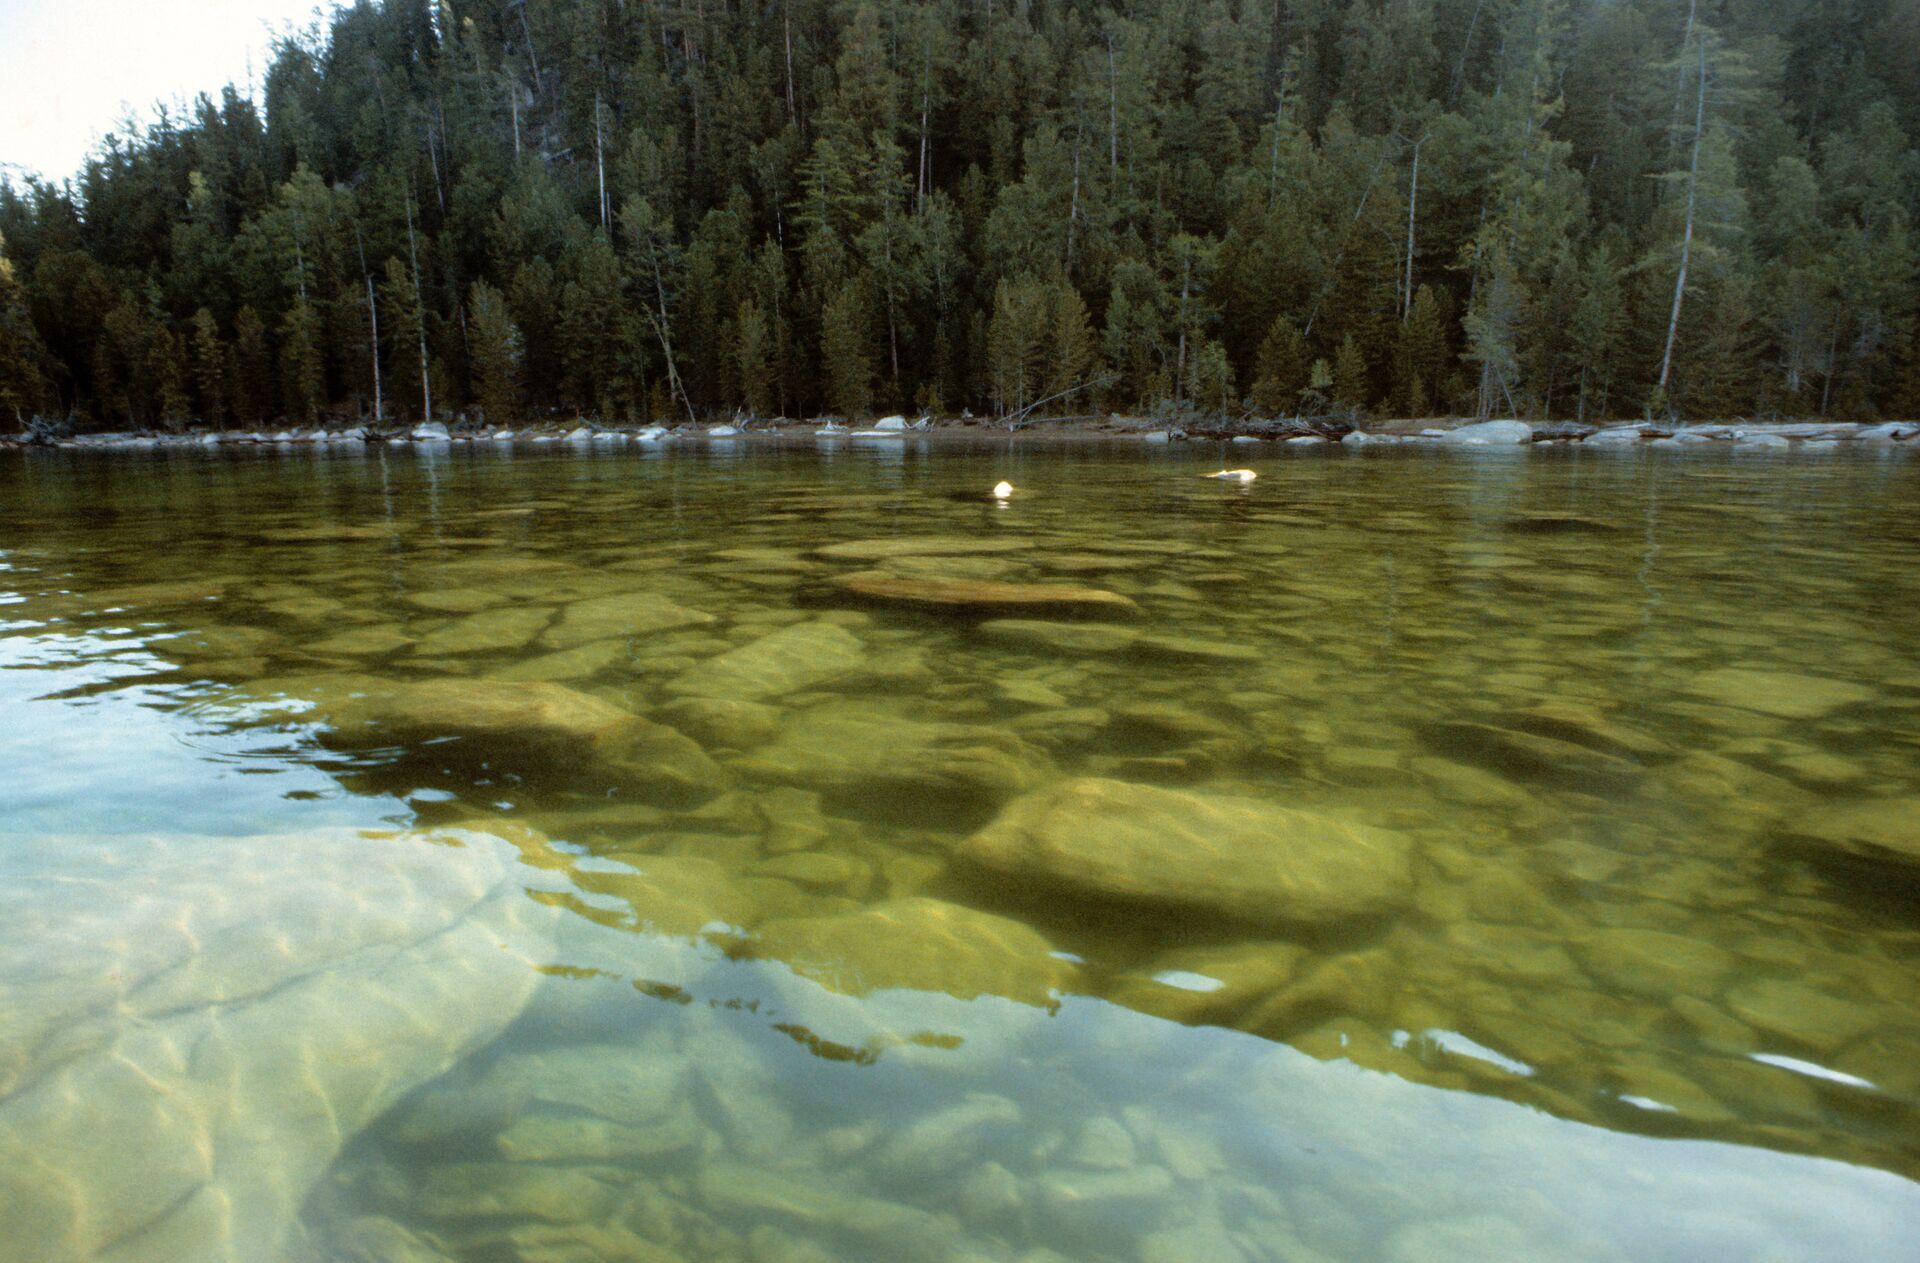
[753, 359]
[23, 385]
[302, 362]
[400, 327]
[209, 369]
[1074, 353]
[1317, 394]
[846, 351]
[594, 329]
[1350, 376]
[1017, 343]
[1280, 371]
[498, 360]
[1420, 356]
[1599, 332]
[1212, 379]
[252, 368]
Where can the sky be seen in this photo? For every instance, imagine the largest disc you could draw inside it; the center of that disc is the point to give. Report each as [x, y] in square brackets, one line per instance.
[70, 69]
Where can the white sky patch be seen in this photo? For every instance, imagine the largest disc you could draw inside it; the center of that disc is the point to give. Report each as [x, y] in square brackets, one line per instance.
[70, 70]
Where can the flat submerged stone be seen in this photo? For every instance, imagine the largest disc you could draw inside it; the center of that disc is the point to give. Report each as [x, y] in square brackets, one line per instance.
[801, 656]
[1241, 858]
[180, 1064]
[920, 944]
[922, 546]
[514, 725]
[1873, 828]
[1785, 694]
[968, 595]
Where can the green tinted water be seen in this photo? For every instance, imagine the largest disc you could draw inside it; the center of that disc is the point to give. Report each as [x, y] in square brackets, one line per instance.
[533, 855]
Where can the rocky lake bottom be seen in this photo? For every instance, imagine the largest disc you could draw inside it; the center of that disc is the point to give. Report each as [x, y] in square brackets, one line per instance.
[795, 853]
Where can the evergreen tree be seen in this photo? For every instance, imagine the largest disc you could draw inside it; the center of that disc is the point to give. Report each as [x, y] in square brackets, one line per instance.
[1212, 378]
[23, 385]
[1598, 332]
[498, 362]
[1074, 353]
[1017, 343]
[209, 369]
[1350, 376]
[753, 359]
[400, 325]
[1420, 356]
[846, 351]
[1587, 191]
[252, 368]
[1280, 371]
[302, 366]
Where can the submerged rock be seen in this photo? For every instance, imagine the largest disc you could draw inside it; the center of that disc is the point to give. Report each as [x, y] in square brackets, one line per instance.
[490, 631]
[896, 546]
[981, 596]
[1784, 694]
[921, 944]
[723, 722]
[1059, 637]
[880, 759]
[512, 725]
[1874, 828]
[179, 1064]
[623, 615]
[1208, 984]
[1527, 756]
[804, 655]
[1240, 858]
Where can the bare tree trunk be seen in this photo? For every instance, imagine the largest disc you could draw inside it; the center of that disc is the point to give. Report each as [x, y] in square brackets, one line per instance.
[1073, 206]
[1113, 109]
[1686, 238]
[599, 157]
[1466, 46]
[373, 315]
[1826, 382]
[533, 57]
[1413, 204]
[1186, 291]
[666, 342]
[786, 18]
[420, 303]
[1273, 157]
[922, 178]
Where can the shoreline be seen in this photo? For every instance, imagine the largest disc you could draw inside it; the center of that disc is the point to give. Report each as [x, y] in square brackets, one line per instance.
[1253, 436]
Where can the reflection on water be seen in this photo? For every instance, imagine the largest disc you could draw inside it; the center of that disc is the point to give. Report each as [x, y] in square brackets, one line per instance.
[795, 854]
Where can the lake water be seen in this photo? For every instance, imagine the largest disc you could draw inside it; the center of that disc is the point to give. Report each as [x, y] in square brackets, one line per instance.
[782, 853]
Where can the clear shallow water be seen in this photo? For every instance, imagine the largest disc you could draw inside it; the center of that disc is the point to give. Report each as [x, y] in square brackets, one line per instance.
[349, 913]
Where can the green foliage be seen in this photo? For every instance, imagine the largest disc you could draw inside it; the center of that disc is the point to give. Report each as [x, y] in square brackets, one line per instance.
[1017, 343]
[1452, 206]
[498, 361]
[209, 369]
[1350, 376]
[846, 350]
[1281, 368]
[23, 386]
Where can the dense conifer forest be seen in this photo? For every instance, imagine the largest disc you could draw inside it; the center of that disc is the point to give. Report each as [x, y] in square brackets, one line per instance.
[673, 209]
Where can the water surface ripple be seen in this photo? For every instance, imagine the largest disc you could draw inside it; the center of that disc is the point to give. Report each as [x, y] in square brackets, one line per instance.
[782, 853]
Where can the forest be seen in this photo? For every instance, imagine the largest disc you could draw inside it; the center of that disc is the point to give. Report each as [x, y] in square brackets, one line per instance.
[661, 210]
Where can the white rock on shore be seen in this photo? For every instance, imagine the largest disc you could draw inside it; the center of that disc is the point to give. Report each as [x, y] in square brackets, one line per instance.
[1490, 433]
